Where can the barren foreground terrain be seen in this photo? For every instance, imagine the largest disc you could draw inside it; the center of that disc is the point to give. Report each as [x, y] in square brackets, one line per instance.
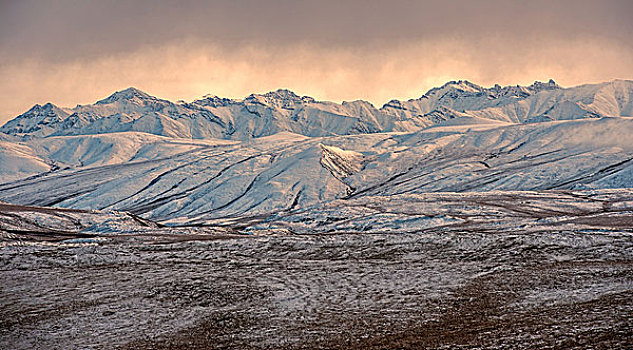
[336, 291]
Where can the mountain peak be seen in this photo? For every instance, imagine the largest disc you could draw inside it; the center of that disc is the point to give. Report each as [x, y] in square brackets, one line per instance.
[39, 107]
[283, 96]
[460, 86]
[127, 94]
[214, 101]
[33, 120]
[540, 86]
[37, 110]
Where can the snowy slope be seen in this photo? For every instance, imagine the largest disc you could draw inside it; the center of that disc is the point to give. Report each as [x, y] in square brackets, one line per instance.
[208, 180]
[555, 155]
[457, 102]
[611, 99]
[18, 161]
[112, 148]
[463, 95]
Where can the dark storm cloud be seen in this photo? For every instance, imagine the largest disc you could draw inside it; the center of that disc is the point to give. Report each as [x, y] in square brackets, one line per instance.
[63, 29]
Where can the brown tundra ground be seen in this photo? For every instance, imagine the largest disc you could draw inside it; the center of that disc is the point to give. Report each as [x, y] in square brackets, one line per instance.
[475, 284]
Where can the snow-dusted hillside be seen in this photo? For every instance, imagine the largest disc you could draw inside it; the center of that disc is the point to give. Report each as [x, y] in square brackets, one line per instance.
[611, 99]
[457, 102]
[39, 155]
[18, 161]
[217, 158]
[198, 182]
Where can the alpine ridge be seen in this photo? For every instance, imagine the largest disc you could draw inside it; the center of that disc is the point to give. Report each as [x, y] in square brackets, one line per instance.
[260, 115]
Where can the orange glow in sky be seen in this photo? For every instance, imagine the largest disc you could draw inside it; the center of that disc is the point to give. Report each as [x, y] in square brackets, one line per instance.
[330, 58]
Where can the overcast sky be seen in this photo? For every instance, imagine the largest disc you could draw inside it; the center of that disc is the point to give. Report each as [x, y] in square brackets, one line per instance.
[76, 52]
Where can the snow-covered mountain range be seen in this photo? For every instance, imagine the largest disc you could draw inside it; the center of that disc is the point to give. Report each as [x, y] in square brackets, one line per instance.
[216, 159]
[283, 110]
